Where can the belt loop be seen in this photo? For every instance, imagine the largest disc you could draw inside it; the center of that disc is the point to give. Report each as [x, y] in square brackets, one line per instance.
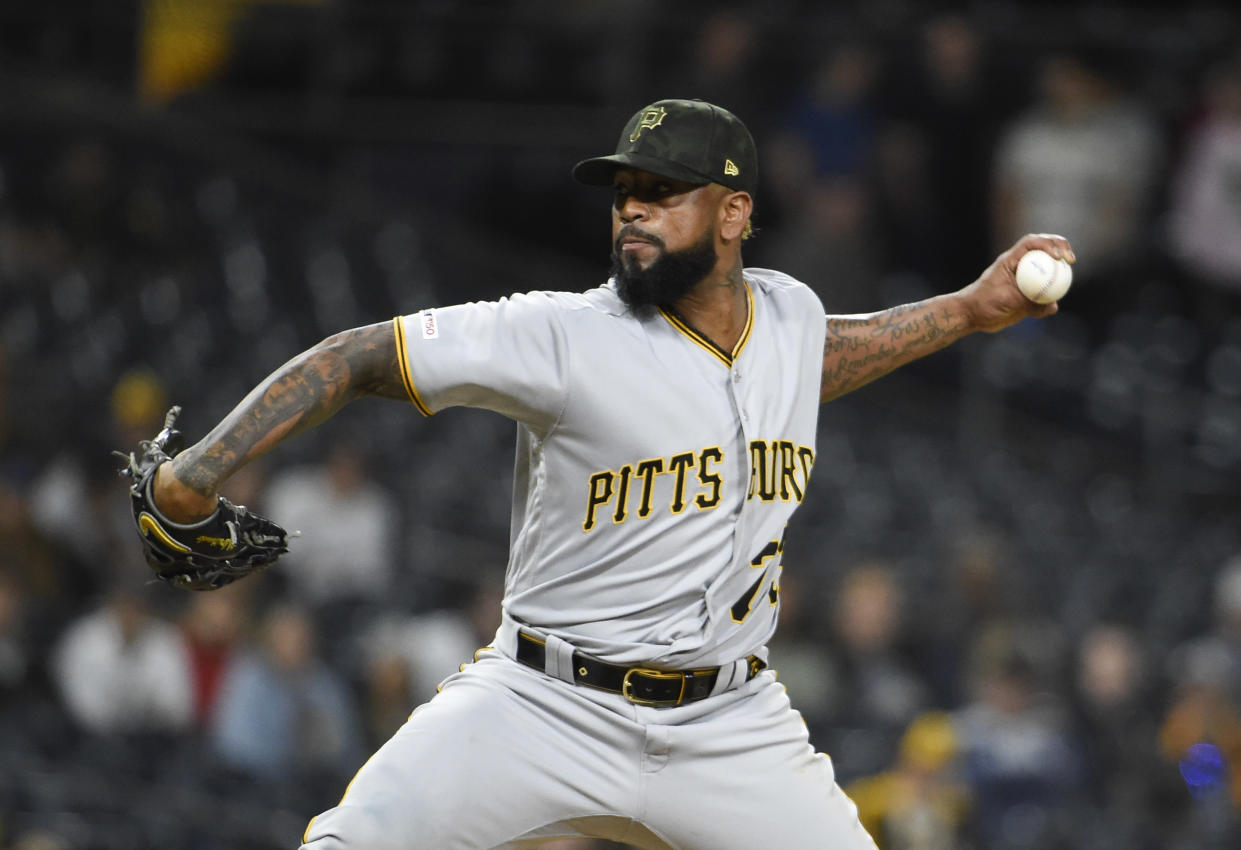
[728, 674]
[558, 660]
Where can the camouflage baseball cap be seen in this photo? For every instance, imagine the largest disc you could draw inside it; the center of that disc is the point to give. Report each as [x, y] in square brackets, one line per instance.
[689, 140]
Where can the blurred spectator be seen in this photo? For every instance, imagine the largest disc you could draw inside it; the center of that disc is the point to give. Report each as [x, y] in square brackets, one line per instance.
[1201, 736]
[1016, 751]
[786, 168]
[1206, 707]
[76, 500]
[907, 210]
[83, 189]
[1115, 733]
[1081, 161]
[387, 696]
[122, 669]
[944, 111]
[878, 692]
[57, 501]
[30, 560]
[211, 626]
[828, 243]
[918, 804]
[348, 525]
[434, 644]
[282, 712]
[1219, 643]
[799, 652]
[1205, 215]
[975, 587]
[835, 116]
[722, 65]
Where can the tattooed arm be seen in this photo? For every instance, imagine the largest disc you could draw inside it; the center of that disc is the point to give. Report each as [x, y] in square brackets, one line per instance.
[299, 395]
[859, 349]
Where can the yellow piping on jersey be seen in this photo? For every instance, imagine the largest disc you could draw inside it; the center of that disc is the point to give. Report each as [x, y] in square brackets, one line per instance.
[477, 653]
[403, 360]
[706, 344]
[348, 788]
[749, 321]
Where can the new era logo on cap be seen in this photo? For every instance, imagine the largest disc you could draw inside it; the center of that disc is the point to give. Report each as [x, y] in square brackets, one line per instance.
[689, 140]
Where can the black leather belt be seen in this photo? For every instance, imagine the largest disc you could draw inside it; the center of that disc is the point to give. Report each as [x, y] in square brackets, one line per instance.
[639, 685]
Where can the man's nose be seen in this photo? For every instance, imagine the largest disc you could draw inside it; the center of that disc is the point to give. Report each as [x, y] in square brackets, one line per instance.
[631, 209]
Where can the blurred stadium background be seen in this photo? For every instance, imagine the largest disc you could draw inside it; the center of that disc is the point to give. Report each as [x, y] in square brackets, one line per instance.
[1013, 596]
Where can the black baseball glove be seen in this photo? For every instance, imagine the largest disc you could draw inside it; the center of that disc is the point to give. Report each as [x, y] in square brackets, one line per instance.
[230, 544]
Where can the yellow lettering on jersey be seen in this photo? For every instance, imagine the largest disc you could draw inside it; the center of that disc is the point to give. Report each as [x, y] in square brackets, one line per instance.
[760, 484]
[622, 495]
[788, 473]
[647, 470]
[612, 489]
[805, 454]
[600, 494]
[678, 464]
[707, 478]
[779, 469]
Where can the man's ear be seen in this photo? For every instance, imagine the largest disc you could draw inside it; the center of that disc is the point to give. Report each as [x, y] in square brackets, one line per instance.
[735, 209]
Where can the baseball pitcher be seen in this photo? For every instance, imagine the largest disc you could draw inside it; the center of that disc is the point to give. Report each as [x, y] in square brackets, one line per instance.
[665, 435]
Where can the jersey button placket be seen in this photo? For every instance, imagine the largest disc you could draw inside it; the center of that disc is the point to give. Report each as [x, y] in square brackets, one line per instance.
[734, 387]
[735, 380]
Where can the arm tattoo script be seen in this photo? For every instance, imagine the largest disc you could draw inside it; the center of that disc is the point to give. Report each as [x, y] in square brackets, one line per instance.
[301, 394]
[859, 349]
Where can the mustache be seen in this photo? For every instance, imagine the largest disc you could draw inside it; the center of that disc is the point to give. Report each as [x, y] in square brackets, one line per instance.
[633, 230]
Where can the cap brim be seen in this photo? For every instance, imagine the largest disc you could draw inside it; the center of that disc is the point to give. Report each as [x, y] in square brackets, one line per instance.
[600, 170]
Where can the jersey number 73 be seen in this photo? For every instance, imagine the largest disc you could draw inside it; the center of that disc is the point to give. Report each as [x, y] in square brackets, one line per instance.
[771, 552]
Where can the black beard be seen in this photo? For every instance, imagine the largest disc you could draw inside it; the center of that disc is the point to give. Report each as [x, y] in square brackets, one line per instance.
[667, 279]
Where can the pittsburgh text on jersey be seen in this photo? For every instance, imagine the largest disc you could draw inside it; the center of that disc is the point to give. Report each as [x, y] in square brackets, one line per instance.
[779, 470]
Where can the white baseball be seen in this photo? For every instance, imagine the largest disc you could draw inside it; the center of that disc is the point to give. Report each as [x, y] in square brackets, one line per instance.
[1042, 278]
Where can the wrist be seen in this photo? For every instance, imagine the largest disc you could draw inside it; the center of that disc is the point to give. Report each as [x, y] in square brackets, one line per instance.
[176, 501]
[963, 308]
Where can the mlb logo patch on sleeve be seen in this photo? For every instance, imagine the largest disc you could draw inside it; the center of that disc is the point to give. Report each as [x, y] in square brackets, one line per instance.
[430, 330]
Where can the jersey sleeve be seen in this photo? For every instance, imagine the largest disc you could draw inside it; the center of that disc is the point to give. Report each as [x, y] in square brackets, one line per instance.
[509, 356]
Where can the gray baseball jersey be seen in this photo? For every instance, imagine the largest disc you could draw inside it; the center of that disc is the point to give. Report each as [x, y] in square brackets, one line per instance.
[655, 473]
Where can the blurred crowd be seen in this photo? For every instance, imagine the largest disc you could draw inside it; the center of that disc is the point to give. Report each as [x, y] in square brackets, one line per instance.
[1012, 602]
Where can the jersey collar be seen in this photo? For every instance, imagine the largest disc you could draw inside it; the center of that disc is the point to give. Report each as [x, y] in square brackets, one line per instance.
[726, 357]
